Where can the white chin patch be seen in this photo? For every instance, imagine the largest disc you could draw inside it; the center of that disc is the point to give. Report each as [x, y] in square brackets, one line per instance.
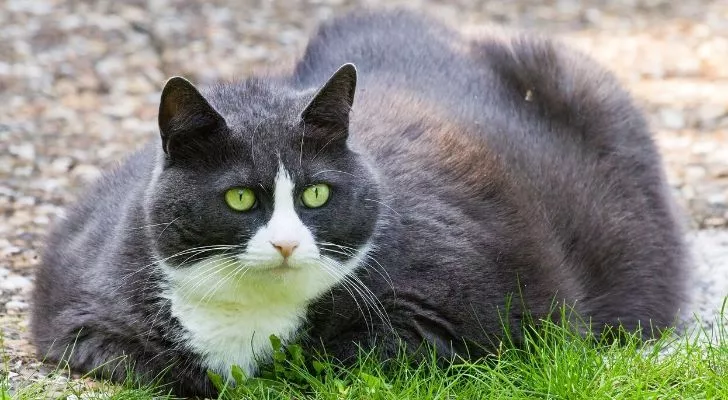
[231, 304]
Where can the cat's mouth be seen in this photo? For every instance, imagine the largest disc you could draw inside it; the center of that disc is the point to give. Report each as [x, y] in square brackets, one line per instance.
[283, 268]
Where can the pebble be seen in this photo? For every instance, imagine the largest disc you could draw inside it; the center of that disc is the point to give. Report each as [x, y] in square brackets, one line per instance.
[719, 171]
[15, 282]
[16, 306]
[25, 151]
[688, 192]
[714, 222]
[8, 251]
[85, 173]
[694, 172]
[672, 119]
[92, 395]
[717, 199]
[61, 165]
[710, 115]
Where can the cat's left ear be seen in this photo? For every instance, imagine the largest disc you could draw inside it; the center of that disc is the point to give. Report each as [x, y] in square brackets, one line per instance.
[330, 107]
[185, 116]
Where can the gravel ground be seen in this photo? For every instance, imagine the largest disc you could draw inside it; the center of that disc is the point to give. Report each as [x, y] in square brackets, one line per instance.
[80, 83]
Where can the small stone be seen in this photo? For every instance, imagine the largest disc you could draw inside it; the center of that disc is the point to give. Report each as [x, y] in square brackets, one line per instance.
[26, 201]
[592, 15]
[703, 147]
[25, 151]
[139, 85]
[694, 172]
[687, 67]
[121, 109]
[90, 395]
[15, 282]
[9, 251]
[688, 192]
[85, 172]
[710, 115]
[61, 165]
[673, 179]
[672, 119]
[16, 305]
[720, 171]
[717, 199]
[714, 222]
[41, 220]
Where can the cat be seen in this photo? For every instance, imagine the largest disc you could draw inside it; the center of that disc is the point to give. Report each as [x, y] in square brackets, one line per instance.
[399, 186]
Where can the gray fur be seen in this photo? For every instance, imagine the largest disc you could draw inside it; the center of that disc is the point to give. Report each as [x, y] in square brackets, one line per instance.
[478, 169]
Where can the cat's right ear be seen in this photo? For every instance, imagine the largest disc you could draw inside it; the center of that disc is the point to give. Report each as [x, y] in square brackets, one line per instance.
[185, 116]
[331, 105]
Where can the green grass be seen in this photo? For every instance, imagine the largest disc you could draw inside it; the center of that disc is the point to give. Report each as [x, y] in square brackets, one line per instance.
[555, 363]
[4, 384]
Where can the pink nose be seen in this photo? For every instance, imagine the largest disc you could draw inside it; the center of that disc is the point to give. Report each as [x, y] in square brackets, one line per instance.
[285, 247]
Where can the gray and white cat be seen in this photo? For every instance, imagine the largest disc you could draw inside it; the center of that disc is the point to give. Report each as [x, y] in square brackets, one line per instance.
[406, 198]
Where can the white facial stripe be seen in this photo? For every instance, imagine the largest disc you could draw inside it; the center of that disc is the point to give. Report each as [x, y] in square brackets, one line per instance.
[284, 227]
[284, 224]
[283, 195]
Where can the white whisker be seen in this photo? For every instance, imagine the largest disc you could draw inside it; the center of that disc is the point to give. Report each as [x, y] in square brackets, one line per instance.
[385, 205]
[333, 170]
[364, 292]
[351, 251]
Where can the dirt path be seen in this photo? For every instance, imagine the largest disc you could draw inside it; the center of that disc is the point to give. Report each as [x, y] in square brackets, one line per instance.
[80, 81]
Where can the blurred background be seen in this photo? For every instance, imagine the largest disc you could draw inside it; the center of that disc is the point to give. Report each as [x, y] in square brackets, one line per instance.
[80, 84]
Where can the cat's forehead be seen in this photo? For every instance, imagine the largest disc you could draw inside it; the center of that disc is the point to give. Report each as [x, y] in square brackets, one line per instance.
[264, 125]
[258, 102]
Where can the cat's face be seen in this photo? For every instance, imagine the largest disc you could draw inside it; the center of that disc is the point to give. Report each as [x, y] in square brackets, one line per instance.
[255, 186]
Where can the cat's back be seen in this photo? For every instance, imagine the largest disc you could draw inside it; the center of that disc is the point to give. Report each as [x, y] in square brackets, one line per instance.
[396, 50]
[517, 133]
[550, 115]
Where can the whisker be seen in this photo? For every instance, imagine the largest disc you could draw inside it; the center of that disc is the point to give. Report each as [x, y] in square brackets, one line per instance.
[358, 281]
[165, 228]
[209, 269]
[212, 271]
[354, 251]
[385, 205]
[324, 146]
[366, 294]
[195, 250]
[300, 154]
[333, 170]
[220, 283]
[149, 225]
[194, 255]
[346, 286]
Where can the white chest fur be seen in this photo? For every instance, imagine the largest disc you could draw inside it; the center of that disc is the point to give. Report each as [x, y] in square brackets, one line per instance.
[226, 331]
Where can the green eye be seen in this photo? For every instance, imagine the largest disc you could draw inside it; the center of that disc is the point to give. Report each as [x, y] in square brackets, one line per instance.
[316, 195]
[240, 199]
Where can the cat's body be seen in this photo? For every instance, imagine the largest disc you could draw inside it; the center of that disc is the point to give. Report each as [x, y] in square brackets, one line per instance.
[472, 172]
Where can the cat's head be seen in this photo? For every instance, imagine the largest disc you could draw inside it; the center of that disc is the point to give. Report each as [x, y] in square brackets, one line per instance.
[256, 185]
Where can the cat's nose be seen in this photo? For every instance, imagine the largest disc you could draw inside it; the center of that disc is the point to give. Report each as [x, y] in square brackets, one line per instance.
[285, 247]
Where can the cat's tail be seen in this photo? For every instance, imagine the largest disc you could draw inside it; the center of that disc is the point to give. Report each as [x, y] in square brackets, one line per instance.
[563, 85]
[567, 96]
